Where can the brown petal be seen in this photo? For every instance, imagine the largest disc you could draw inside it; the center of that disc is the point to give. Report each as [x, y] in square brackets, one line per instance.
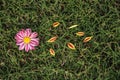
[71, 46]
[87, 39]
[52, 52]
[80, 33]
[55, 24]
[52, 39]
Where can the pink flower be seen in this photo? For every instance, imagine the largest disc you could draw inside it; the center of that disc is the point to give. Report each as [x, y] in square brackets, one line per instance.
[26, 39]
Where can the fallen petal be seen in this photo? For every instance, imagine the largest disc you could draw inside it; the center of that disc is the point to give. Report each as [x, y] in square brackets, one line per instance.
[53, 39]
[80, 33]
[52, 52]
[55, 24]
[71, 46]
[87, 39]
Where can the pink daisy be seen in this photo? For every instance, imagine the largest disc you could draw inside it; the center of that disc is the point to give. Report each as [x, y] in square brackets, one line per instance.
[26, 39]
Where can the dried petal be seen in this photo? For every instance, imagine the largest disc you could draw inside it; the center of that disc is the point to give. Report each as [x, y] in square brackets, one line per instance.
[80, 33]
[53, 39]
[71, 46]
[52, 52]
[73, 26]
[87, 39]
[55, 24]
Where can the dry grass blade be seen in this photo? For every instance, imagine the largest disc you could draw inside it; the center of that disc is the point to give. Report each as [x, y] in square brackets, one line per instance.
[73, 26]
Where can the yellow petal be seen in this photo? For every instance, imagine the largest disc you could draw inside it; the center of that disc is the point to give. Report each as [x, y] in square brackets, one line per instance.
[87, 39]
[53, 39]
[71, 46]
[80, 33]
[52, 52]
[73, 26]
[55, 24]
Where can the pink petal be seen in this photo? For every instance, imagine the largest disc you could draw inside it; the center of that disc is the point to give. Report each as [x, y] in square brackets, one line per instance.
[27, 48]
[34, 42]
[18, 37]
[19, 41]
[22, 46]
[34, 35]
[21, 33]
[31, 47]
[35, 39]
[28, 32]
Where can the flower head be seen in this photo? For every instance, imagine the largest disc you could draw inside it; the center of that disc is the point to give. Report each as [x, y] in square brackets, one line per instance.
[26, 39]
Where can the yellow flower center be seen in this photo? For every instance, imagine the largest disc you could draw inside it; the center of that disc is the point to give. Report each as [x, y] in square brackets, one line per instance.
[26, 40]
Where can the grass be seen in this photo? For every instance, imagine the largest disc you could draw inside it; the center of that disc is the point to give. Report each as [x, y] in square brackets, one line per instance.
[98, 59]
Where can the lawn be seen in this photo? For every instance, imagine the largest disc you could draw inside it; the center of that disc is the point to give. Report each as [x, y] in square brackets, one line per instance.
[98, 59]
